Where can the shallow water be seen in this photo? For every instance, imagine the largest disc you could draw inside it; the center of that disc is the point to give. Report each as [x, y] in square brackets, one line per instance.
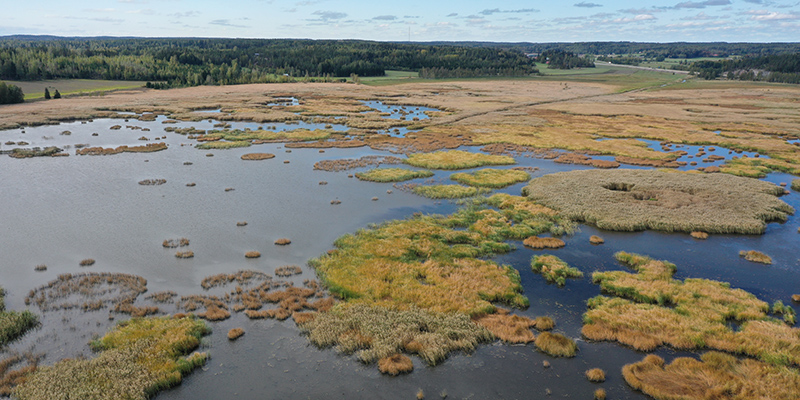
[58, 211]
[694, 153]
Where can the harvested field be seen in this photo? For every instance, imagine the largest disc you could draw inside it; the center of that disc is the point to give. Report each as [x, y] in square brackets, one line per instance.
[448, 191]
[139, 358]
[713, 376]
[554, 269]
[688, 314]
[632, 200]
[392, 175]
[456, 159]
[491, 178]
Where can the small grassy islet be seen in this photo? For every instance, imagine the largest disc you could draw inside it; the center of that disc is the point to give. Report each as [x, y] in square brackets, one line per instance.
[456, 159]
[491, 178]
[448, 191]
[392, 175]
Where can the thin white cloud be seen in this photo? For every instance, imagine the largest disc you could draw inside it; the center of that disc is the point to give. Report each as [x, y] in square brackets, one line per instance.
[638, 18]
[587, 4]
[385, 18]
[764, 15]
[702, 4]
[226, 22]
[330, 15]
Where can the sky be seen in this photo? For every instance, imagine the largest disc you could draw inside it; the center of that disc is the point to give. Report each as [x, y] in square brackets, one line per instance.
[421, 21]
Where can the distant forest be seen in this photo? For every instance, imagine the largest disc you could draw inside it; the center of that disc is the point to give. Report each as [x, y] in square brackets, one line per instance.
[772, 68]
[191, 62]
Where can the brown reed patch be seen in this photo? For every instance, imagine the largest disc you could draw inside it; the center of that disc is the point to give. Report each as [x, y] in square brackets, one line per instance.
[127, 307]
[556, 344]
[162, 297]
[594, 239]
[699, 235]
[395, 364]
[235, 333]
[40, 268]
[581, 159]
[152, 182]
[214, 313]
[715, 376]
[87, 262]
[79, 290]
[599, 394]
[191, 184]
[538, 243]
[755, 256]
[241, 277]
[241, 223]
[288, 270]
[184, 254]
[252, 254]
[303, 317]
[351, 163]
[544, 323]
[508, 328]
[283, 242]
[100, 151]
[9, 379]
[631, 200]
[796, 298]
[173, 243]
[595, 375]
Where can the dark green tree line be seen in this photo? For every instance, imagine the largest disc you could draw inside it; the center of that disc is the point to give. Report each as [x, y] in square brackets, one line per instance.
[10, 94]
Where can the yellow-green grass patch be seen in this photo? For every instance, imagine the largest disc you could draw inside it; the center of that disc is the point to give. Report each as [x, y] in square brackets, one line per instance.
[491, 178]
[456, 159]
[554, 269]
[14, 324]
[632, 200]
[448, 191]
[392, 175]
[653, 309]
[139, 358]
[223, 145]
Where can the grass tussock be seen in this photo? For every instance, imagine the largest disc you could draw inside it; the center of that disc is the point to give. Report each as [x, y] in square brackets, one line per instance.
[554, 269]
[633, 200]
[456, 159]
[600, 394]
[235, 333]
[87, 262]
[288, 270]
[491, 178]
[508, 328]
[544, 323]
[184, 254]
[715, 376]
[138, 358]
[699, 235]
[653, 309]
[173, 243]
[556, 345]
[395, 364]
[448, 191]
[755, 256]
[373, 333]
[594, 239]
[596, 375]
[539, 243]
[252, 254]
[14, 324]
[152, 182]
[257, 156]
[283, 242]
[392, 175]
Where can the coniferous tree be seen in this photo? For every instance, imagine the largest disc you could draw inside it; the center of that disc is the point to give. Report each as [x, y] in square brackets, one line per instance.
[46, 94]
[57, 95]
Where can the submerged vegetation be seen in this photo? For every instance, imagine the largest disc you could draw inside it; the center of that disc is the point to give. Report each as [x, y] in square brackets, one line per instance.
[491, 178]
[456, 159]
[688, 314]
[392, 175]
[138, 358]
[632, 200]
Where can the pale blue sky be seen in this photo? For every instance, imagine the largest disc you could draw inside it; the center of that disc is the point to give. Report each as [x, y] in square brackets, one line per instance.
[511, 21]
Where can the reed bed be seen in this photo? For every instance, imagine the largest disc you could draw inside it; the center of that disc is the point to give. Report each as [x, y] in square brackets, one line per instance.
[14, 324]
[653, 309]
[138, 358]
[352, 163]
[9, 379]
[184, 254]
[632, 200]
[392, 175]
[456, 159]
[162, 297]
[50, 151]
[448, 191]
[264, 136]
[152, 182]
[257, 156]
[241, 277]
[554, 269]
[86, 262]
[491, 178]
[283, 242]
[796, 185]
[599, 394]
[86, 291]
[544, 323]
[100, 151]
[581, 159]
[395, 364]
[755, 256]
[715, 376]
[596, 375]
[40, 268]
[363, 329]
[235, 333]
[173, 243]
[539, 243]
[252, 254]
[556, 345]
[223, 145]
[508, 328]
[288, 270]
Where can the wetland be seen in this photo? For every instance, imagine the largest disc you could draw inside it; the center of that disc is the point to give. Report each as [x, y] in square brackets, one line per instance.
[504, 293]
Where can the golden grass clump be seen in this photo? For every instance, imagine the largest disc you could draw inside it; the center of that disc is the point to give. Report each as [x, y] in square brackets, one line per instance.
[755, 256]
[86, 262]
[632, 200]
[554, 269]
[173, 243]
[138, 358]
[283, 242]
[491, 178]
[235, 333]
[217, 145]
[654, 309]
[392, 175]
[508, 328]
[699, 235]
[595, 375]
[257, 156]
[184, 254]
[556, 344]
[544, 323]
[599, 394]
[288, 270]
[715, 376]
[596, 240]
[448, 191]
[395, 364]
[538, 243]
[374, 332]
[456, 159]
[796, 298]
[252, 254]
